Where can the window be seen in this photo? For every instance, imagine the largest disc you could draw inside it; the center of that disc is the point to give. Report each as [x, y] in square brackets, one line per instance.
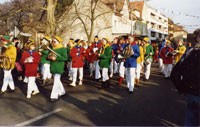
[153, 34]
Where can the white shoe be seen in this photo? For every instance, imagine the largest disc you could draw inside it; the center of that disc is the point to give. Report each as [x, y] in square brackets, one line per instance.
[80, 83]
[28, 96]
[91, 75]
[73, 84]
[111, 76]
[35, 92]
[70, 78]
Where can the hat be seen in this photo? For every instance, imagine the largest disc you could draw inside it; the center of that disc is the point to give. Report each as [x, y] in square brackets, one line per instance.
[96, 37]
[146, 39]
[71, 40]
[6, 38]
[30, 42]
[58, 39]
[47, 38]
[116, 38]
[77, 41]
[106, 39]
[169, 41]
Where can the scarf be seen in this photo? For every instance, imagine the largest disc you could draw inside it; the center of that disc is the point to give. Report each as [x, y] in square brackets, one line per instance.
[58, 46]
[104, 47]
[31, 52]
[78, 49]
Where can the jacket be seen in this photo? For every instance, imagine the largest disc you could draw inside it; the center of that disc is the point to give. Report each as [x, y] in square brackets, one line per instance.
[57, 66]
[11, 52]
[31, 68]
[131, 62]
[95, 47]
[105, 58]
[181, 51]
[166, 59]
[44, 57]
[140, 59]
[77, 54]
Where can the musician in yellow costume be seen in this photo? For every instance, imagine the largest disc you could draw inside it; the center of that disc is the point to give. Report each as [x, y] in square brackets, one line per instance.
[11, 52]
[140, 61]
[180, 51]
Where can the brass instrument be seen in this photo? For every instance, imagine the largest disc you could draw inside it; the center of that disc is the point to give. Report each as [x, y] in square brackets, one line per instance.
[173, 53]
[147, 60]
[101, 50]
[5, 62]
[52, 53]
[127, 52]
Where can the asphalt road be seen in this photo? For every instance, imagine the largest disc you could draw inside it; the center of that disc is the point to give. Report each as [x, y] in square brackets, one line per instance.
[155, 103]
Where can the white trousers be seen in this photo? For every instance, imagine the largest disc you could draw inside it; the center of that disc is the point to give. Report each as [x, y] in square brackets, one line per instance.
[69, 66]
[161, 66]
[105, 74]
[75, 70]
[121, 69]
[112, 67]
[46, 71]
[58, 89]
[130, 78]
[7, 81]
[138, 70]
[167, 70]
[116, 67]
[97, 70]
[91, 68]
[147, 71]
[31, 85]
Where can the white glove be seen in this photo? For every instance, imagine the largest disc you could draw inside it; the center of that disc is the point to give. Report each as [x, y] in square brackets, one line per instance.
[95, 49]
[29, 60]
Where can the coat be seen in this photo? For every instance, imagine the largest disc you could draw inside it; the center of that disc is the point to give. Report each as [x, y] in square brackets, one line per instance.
[77, 59]
[57, 66]
[181, 51]
[140, 59]
[131, 62]
[166, 59]
[147, 50]
[31, 68]
[93, 47]
[105, 58]
[44, 57]
[11, 52]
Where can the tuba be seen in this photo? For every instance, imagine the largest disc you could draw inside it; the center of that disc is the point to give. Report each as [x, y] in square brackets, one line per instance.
[127, 52]
[5, 61]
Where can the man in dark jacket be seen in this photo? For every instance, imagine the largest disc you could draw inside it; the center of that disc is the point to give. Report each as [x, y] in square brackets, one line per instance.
[185, 77]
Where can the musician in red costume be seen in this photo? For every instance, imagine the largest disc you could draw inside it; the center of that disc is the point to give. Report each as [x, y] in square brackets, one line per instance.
[96, 45]
[167, 55]
[77, 53]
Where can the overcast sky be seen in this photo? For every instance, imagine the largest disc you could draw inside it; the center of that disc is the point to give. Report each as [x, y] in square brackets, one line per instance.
[190, 7]
[185, 7]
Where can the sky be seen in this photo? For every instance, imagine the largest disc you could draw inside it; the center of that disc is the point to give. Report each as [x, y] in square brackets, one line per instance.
[185, 7]
[2, 1]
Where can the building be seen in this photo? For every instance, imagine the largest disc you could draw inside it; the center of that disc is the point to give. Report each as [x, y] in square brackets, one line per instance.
[114, 20]
[179, 33]
[157, 23]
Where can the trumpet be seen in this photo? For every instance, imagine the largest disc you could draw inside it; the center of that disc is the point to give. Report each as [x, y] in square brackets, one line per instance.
[5, 62]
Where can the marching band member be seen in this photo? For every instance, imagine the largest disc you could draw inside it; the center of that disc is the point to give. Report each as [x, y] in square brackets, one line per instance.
[70, 45]
[89, 58]
[131, 64]
[140, 61]
[77, 54]
[105, 55]
[167, 56]
[148, 53]
[120, 49]
[114, 64]
[180, 51]
[11, 52]
[30, 59]
[45, 61]
[160, 61]
[95, 49]
[57, 67]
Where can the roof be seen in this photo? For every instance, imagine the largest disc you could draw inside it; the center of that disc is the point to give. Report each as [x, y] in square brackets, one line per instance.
[137, 5]
[118, 4]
